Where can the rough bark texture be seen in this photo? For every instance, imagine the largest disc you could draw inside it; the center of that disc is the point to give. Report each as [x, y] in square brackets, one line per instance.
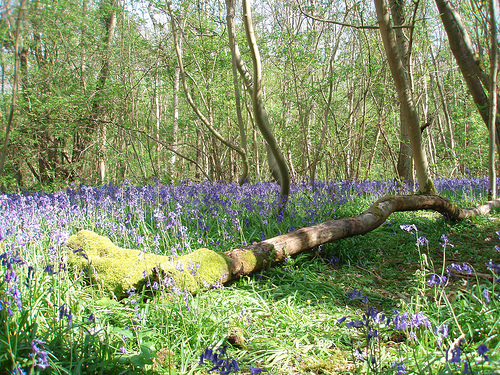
[254, 257]
[405, 96]
[461, 47]
[260, 113]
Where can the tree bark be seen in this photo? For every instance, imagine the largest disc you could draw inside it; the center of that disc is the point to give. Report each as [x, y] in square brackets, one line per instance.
[231, 31]
[22, 8]
[404, 169]
[259, 111]
[461, 47]
[406, 99]
[492, 187]
[252, 258]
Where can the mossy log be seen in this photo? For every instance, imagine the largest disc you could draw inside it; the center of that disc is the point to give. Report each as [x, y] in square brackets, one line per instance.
[116, 269]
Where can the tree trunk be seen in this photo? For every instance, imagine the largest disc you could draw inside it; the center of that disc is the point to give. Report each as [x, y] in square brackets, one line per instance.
[206, 121]
[254, 257]
[83, 139]
[22, 8]
[492, 187]
[260, 114]
[231, 28]
[461, 47]
[175, 122]
[406, 99]
[405, 170]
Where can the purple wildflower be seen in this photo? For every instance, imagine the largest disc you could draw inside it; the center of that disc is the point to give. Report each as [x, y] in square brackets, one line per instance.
[65, 312]
[481, 350]
[437, 280]
[400, 367]
[422, 241]
[486, 295]
[256, 370]
[18, 371]
[41, 356]
[446, 241]
[342, 320]
[409, 227]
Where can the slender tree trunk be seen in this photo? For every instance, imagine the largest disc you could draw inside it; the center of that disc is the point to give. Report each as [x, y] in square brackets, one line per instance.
[406, 99]
[461, 46]
[260, 113]
[405, 171]
[492, 187]
[3, 154]
[175, 122]
[230, 9]
[83, 139]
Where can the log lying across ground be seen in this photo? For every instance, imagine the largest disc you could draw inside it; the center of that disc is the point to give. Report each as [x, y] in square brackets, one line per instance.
[254, 257]
[116, 269]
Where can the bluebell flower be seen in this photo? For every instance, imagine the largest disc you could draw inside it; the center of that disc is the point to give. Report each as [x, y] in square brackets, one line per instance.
[355, 324]
[482, 350]
[256, 370]
[18, 370]
[442, 330]
[356, 294]
[401, 321]
[419, 319]
[65, 312]
[409, 227]
[446, 241]
[486, 295]
[455, 355]
[493, 267]
[400, 367]
[422, 241]
[372, 333]
[437, 280]
[466, 368]
[49, 269]
[41, 356]
[219, 360]
[342, 320]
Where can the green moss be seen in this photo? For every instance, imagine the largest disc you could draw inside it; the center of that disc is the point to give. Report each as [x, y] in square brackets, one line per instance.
[116, 269]
[250, 259]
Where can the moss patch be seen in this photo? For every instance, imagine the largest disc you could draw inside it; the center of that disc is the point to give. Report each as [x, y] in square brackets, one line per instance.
[117, 270]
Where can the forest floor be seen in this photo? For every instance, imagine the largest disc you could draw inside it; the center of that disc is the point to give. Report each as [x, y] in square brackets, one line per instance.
[417, 295]
[387, 267]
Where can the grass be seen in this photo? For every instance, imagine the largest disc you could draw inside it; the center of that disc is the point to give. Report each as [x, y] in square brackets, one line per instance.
[287, 320]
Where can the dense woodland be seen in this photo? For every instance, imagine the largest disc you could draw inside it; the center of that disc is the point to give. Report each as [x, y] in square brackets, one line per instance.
[96, 91]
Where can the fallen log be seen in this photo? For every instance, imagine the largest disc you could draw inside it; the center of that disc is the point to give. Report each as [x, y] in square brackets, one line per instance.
[116, 270]
[251, 258]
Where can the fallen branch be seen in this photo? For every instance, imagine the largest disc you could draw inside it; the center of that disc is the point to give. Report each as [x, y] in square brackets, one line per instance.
[117, 269]
[251, 258]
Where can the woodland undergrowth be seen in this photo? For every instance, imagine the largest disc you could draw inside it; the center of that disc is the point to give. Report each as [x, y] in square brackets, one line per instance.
[417, 295]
